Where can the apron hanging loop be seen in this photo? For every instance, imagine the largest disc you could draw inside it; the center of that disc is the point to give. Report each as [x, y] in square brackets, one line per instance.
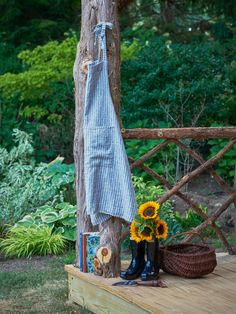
[100, 33]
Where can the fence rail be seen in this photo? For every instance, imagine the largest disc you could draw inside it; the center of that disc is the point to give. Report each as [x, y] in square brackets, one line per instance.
[179, 133]
[174, 135]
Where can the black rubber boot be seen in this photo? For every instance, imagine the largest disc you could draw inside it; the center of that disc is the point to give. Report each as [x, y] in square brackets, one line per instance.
[137, 263]
[152, 267]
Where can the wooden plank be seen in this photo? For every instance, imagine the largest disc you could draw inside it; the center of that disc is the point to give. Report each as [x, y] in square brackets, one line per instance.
[99, 300]
[214, 293]
[229, 266]
[92, 291]
[179, 133]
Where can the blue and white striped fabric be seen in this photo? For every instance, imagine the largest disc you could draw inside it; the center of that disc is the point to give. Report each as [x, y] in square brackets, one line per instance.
[108, 185]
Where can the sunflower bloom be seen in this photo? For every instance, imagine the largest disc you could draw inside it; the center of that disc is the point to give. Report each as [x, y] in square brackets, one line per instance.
[157, 220]
[161, 229]
[148, 210]
[134, 231]
[147, 233]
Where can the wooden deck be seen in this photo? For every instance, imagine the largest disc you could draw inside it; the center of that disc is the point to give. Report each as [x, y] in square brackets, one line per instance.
[215, 293]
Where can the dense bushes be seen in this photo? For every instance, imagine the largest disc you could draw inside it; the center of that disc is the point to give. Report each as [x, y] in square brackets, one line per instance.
[36, 199]
[180, 84]
[26, 185]
[164, 83]
[40, 98]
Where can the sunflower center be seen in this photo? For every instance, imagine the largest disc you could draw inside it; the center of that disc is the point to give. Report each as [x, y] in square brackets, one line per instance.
[146, 231]
[149, 212]
[160, 229]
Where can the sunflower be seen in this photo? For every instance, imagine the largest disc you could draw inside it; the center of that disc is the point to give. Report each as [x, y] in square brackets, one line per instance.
[157, 220]
[134, 231]
[147, 233]
[161, 229]
[148, 210]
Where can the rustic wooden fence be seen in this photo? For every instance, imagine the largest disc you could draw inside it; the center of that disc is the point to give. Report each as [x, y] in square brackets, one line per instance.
[175, 135]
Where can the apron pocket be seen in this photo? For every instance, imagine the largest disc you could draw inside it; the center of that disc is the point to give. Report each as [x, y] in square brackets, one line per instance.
[98, 146]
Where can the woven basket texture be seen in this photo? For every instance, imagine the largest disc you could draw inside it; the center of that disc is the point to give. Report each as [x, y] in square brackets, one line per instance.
[188, 260]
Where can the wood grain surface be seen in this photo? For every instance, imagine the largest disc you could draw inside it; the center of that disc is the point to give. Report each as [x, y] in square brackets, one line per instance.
[214, 293]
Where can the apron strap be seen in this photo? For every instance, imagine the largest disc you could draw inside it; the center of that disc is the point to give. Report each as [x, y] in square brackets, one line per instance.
[100, 33]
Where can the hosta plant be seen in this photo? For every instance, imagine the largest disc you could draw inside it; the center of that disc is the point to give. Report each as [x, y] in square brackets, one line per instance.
[61, 218]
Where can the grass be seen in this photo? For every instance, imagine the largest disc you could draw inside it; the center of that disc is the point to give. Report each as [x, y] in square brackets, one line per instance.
[37, 289]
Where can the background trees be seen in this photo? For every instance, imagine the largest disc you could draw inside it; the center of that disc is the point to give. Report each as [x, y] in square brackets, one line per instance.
[178, 67]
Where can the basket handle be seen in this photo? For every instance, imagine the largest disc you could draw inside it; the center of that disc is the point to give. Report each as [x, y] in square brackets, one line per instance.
[182, 233]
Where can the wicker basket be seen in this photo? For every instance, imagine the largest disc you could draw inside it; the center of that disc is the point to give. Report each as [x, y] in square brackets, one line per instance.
[187, 259]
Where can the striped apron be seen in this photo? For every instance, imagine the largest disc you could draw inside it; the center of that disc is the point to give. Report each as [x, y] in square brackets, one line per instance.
[108, 186]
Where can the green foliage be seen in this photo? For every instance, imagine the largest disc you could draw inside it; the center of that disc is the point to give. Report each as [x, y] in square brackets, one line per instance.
[146, 190]
[163, 162]
[163, 83]
[61, 218]
[191, 220]
[40, 98]
[8, 58]
[231, 70]
[181, 84]
[26, 185]
[35, 22]
[185, 20]
[226, 165]
[28, 241]
[4, 229]
[42, 66]
[130, 51]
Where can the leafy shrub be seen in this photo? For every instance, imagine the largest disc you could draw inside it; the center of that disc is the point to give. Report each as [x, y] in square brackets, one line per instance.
[226, 165]
[61, 218]
[25, 185]
[191, 220]
[28, 241]
[185, 84]
[42, 66]
[39, 99]
[129, 51]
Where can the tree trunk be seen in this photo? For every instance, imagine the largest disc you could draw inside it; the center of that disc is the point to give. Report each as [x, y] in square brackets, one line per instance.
[94, 12]
[167, 10]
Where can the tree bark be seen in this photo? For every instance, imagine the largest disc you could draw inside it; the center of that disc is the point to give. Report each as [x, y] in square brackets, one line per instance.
[94, 12]
[180, 133]
[123, 4]
[167, 10]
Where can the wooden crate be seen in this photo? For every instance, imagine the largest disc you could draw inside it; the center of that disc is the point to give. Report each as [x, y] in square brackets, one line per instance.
[215, 293]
